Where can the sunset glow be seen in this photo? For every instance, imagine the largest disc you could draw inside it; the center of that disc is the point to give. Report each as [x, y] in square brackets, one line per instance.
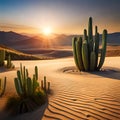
[71, 19]
[47, 31]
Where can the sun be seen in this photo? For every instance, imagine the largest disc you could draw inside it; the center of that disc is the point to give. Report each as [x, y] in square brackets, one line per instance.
[47, 31]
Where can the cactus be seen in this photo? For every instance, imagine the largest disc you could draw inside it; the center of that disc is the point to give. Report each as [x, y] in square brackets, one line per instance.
[2, 86]
[9, 64]
[2, 57]
[79, 54]
[26, 86]
[30, 94]
[86, 49]
[103, 51]
[85, 55]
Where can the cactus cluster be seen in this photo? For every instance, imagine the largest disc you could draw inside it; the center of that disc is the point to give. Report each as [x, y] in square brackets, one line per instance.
[45, 85]
[2, 60]
[2, 57]
[86, 50]
[2, 86]
[31, 95]
[26, 86]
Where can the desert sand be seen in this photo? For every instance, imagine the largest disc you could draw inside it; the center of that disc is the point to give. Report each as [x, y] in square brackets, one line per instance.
[75, 95]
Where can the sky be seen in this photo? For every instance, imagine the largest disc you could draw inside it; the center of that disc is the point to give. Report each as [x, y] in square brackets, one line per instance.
[61, 16]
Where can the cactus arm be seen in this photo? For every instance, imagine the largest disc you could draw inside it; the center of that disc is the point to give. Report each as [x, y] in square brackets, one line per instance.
[79, 54]
[92, 61]
[18, 87]
[2, 86]
[103, 51]
[85, 35]
[74, 40]
[85, 55]
[34, 84]
[36, 72]
[19, 76]
[2, 57]
[96, 45]
[29, 87]
[90, 31]
[45, 83]
[90, 37]
[9, 61]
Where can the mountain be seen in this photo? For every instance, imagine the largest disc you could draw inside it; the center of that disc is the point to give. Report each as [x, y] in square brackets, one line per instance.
[18, 55]
[19, 41]
[11, 38]
[114, 38]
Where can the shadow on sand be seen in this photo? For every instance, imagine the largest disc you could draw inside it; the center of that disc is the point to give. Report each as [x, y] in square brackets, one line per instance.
[34, 115]
[107, 72]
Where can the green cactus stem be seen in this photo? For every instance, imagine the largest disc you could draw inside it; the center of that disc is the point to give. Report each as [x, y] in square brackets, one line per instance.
[2, 86]
[9, 64]
[36, 72]
[42, 84]
[29, 86]
[90, 31]
[45, 88]
[85, 55]
[85, 35]
[79, 54]
[103, 51]
[2, 57]
[92, 61]
[96, 45]
[48, 86]
[18, 87]
[74, 40]
[90, 35]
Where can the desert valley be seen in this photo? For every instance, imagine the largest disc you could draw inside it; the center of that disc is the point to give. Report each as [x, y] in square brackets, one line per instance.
[54, 65]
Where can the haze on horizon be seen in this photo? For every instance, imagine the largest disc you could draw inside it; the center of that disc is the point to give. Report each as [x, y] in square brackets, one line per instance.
[62, 16]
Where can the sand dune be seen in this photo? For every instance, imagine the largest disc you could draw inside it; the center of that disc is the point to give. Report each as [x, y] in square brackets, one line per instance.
[76, 96]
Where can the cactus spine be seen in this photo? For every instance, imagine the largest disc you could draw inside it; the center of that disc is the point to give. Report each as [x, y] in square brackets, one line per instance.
[86, 50]
[2, 86]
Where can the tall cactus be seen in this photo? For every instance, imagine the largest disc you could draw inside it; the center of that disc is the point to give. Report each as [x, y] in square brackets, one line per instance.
[2, 57]
[86, 51]
[2, 86]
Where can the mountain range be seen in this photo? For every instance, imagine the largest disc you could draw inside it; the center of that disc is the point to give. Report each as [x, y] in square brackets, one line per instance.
[20, 41]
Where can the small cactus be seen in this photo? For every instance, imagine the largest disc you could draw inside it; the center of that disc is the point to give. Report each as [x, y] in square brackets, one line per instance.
[26, 86]
[9, 62]
[2, 57]
[45, 85]
[2, 86]
[86, 50]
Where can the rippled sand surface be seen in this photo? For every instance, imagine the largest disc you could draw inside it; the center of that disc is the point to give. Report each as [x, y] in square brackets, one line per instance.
[74, 95]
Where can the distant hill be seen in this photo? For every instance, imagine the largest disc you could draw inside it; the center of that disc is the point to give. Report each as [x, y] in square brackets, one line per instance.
[19, 41]
[17, 55]
[114, 38]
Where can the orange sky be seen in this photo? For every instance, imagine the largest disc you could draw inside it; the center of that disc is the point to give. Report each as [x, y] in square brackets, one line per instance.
[62, 16]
